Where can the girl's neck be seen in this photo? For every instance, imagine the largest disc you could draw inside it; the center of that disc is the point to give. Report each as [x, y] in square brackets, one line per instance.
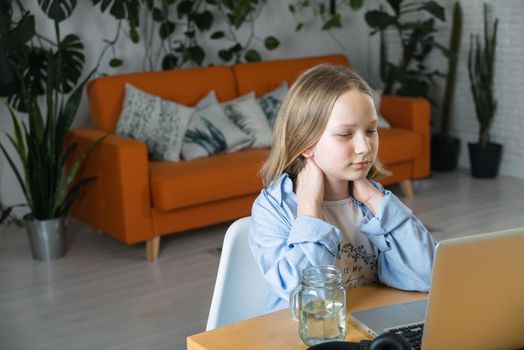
[335, 190]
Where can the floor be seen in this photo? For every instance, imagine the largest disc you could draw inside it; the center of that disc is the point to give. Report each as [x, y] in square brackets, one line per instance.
[105, 295]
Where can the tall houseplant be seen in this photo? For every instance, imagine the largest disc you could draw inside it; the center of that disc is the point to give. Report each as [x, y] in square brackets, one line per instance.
[484, 154]
[411, 76]
[39, 143]
[444, 147]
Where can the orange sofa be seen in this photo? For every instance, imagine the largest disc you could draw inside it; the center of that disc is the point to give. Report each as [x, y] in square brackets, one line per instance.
[135, 200]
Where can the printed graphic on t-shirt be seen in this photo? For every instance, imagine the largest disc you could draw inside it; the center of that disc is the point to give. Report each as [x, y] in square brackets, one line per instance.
[358, 263]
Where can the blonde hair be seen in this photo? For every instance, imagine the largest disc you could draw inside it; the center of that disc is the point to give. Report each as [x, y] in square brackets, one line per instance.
[303, 117]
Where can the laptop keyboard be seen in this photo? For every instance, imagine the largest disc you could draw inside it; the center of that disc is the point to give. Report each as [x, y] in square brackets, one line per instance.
[412, 334]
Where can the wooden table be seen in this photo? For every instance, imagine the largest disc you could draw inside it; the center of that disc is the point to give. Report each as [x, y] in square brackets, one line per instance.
[277, 330]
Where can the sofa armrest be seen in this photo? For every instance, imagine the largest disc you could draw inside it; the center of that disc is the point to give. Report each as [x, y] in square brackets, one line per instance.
[413, 114]
[118, 202]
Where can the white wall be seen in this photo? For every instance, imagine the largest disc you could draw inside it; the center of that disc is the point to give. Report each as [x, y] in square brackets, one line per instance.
[362, 51]
[508, 124]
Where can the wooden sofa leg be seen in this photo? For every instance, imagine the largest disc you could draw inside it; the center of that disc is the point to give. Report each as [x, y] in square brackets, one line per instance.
[152, 248]
[407, 188]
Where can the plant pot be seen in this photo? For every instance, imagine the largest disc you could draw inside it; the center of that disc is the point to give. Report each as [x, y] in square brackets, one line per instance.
[444, 153]
[48, 238]
[485, 160]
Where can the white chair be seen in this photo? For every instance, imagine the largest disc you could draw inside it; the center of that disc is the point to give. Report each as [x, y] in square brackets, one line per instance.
[240, 289]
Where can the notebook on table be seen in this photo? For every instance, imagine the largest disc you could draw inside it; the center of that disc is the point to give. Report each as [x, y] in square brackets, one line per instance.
[476, 299]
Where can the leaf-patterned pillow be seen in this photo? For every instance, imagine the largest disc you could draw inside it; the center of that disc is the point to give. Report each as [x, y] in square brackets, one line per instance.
[271, 102]
[246, 113]
[159, 123]
[210, 131]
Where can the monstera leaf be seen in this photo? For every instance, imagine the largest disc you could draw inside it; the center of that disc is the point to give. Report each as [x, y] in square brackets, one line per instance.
[13, 49]
[57, 10]
[34, 77]
[70, 60]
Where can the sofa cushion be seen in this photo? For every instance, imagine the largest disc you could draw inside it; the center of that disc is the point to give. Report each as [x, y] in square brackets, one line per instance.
[271, 102]
[247, 114]
[159, 123]
[210, 131]
[204, 180]
[398, 145]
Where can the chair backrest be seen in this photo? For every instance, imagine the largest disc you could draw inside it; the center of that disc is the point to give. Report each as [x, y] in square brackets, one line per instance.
[240, 289]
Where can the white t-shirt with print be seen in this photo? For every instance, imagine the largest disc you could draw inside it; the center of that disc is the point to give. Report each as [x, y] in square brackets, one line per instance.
[357, 257]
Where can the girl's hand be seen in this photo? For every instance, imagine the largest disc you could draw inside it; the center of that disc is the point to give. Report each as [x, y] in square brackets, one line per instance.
[366, 193]
[310, 190]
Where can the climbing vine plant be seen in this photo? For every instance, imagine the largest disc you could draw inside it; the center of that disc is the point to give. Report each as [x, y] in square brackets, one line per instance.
[172, 30]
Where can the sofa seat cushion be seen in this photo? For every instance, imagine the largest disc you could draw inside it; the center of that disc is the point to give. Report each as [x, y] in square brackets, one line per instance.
[397, 145]
[205, 180]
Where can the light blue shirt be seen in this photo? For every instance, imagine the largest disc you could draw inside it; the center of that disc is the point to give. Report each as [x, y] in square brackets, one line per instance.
[284, 244]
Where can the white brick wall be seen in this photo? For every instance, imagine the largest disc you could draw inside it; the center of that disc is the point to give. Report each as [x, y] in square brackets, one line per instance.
[508, 124]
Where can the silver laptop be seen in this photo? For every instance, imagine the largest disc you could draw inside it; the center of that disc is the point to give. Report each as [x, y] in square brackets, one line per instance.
[476, 299]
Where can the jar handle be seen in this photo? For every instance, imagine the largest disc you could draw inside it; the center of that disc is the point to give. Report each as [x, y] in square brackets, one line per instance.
[293, 302]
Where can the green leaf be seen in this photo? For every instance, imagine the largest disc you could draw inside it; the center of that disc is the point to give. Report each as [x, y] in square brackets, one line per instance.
[379, 19]
[70, 57]
[60, 194]
[203, 20]
[184, 8]
[395, 5]
[225, 55]
[435, 10]
[211, 2]
[57, 10]
[356, 4]
[196, 54]
[235, 48]
[19, 178]
[133, 34]
[291, 8]
[158, 15]
[252, 56]
[299, 26]
[69, 111]
[217, 35]
[169, 61]
[115, 62]
[333, 22]
[124, 9]
[5, 214]
[14, 52]
[321, 9]
[166, 29]
[18, 141]
[271, 43]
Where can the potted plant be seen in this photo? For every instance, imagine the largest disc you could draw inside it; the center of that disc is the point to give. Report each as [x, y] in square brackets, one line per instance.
[412, 75]
[444, 147]
[484, 155]
[39, 144]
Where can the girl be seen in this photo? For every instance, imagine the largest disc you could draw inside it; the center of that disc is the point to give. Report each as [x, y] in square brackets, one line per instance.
[321, 205]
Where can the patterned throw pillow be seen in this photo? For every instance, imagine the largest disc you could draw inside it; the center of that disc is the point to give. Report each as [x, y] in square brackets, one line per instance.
[382, 122]
[210, 131]
[271, 102]
[159, 123]
[246, 113]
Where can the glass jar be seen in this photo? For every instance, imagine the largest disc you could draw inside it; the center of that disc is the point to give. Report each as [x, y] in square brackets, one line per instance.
[318, 303]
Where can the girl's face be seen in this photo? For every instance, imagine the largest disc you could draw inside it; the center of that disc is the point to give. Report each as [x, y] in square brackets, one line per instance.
[348, 146]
